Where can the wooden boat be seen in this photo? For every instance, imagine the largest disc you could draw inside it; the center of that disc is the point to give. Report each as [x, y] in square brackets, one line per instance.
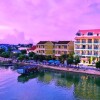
[27, 69]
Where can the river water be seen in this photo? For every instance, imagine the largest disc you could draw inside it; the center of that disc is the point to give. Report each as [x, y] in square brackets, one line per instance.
[48, 85]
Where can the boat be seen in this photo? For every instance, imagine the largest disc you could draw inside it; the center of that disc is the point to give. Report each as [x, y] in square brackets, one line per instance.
[27, 69]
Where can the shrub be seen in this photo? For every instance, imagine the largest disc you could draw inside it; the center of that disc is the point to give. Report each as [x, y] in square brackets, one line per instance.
[98, 64]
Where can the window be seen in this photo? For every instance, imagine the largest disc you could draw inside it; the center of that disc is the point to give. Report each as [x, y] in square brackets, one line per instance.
[65, 52]
[83, 47]
[98, 34]
[58, 46]
[65, 46]
[89, 40]
[59, 52]
[78, 34]
[90, 33]
[83, 41]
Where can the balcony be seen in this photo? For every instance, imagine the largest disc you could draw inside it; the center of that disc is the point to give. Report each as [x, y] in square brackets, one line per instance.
[89, 41]
[89, 48]
[77, 42]
[96, 41]
[89, 54]
[96, 48]
[83, 53]
[96, 54]
[83, 48]
[83, 41]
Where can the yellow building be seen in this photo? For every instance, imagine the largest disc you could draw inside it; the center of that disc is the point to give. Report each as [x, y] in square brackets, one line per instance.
[64, 47]
[45, 48]
[55, 48]
[87, 45]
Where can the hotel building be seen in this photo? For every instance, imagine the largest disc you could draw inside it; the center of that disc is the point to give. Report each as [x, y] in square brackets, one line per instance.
[64, 47]
[55, 48]
[45, 48]
[87, 45]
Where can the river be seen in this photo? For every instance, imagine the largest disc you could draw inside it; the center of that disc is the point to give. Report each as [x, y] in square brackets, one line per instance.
[48, 85]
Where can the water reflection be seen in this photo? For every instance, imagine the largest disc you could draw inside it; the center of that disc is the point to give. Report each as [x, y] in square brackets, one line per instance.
[26, 78]
[85, 87]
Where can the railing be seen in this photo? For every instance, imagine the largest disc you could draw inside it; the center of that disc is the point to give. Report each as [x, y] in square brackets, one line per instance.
[89, 54]
[77, 42]
[89, 47]
[96, 41]
[83, 41]
[96, 48]
[89, 42]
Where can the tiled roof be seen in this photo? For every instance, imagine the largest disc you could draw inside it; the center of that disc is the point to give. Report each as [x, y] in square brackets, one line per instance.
[42, 42]
[32, 48]
[95, 31]
[63, 42]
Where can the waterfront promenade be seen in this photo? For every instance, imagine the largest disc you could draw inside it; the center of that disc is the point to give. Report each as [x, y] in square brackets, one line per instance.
[76, 70]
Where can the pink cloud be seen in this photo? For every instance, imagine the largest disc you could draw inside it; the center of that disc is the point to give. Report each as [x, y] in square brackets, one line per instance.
[49, 19]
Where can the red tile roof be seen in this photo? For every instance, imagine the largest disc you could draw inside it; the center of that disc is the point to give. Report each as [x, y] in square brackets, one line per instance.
[95, 31]
[32, 48]
[85, 37]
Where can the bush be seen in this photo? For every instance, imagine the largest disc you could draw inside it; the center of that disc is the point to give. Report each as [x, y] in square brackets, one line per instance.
[98, 64]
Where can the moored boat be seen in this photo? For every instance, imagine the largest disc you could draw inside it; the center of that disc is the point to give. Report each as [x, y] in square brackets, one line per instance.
[27, 69]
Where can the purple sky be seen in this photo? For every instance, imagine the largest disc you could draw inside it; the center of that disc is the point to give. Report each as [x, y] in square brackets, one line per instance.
[24, 21]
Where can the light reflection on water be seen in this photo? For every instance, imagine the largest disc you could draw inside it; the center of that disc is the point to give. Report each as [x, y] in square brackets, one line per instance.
[48, 85]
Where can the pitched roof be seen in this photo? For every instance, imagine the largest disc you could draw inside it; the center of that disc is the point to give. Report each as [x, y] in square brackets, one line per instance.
[32, 48]
[42, 42]
[63, 42]
[95, 31]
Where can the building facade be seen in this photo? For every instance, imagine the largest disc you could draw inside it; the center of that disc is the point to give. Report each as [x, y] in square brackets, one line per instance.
[87, 45]
[64, 47]
[55, 48]
[45, 48]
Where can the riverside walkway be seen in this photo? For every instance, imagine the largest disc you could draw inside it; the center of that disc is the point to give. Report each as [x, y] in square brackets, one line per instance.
[76, 70]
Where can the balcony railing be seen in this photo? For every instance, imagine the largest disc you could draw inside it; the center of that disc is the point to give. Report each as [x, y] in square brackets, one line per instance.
[96, 41]
[77, 42]
[89, 47]
[83, 53]
[89, 41]
[83, 41]
[96, 48]
[89, 54]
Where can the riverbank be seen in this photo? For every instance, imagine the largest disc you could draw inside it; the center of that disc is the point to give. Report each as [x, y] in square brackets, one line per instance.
[75, 70]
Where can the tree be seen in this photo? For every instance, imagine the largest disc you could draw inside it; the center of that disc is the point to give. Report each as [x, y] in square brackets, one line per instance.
[98, 64]
[5, 54]
[23, 51]
[76, 60]
[2, 50]
[31, 55]
[70, 61]
[22, 57]
[63, 57]
[48, 57]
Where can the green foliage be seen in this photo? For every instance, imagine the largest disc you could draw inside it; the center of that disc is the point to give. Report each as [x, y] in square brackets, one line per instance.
[98, 64]
[48, 57]
[2, 50]
[23, 57]
[63, 57]
[76, 60]
[23, 51]
[5, 54]
[39, 57]
[70, 61]
[31, 54]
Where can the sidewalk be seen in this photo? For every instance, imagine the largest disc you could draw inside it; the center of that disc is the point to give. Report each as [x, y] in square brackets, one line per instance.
[92, 72]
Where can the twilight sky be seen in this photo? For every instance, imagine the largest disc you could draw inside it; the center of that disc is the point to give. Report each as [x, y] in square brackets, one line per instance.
[27, 21]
